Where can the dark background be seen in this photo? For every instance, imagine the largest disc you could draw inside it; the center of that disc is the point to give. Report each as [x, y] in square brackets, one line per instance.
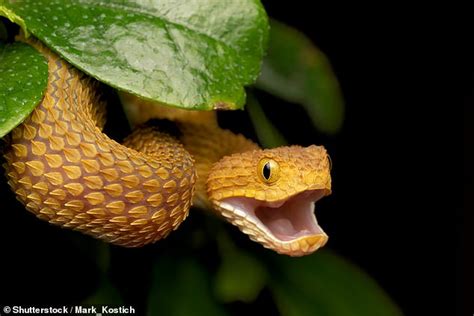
[382, 215]
[387, 213]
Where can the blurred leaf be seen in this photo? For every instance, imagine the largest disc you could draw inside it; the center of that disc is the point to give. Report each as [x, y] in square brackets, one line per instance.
[106, 293]
[3, 32]
[23, 80]
[181, 287]
[190, 54]
[295, 70]
[240, 277]
[325, 284]
[99, 252]
[103, 257]
[268, 135]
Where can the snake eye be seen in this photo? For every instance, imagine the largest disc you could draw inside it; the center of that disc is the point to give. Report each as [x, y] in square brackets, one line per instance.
[268, 170]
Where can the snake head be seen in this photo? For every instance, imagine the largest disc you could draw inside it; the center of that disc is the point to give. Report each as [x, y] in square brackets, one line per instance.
[270, 195]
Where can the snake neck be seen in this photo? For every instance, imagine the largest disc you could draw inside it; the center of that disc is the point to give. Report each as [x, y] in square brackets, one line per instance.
[140, 111]
[208, 144]
[199, 132]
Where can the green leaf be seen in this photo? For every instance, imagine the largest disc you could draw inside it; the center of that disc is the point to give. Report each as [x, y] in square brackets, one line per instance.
[23, 80]
[190, 54]
[325, 284]
[240, 276]
[268, 135]
[181, 286]
[299, 72]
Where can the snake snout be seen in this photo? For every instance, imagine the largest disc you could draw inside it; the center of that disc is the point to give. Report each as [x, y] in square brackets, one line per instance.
[288, 226]
[270, 195]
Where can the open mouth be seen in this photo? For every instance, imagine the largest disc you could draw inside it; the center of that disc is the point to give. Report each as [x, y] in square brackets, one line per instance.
[283, 222]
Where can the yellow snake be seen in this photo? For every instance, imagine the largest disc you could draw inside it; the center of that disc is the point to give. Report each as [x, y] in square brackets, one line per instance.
[67, 172]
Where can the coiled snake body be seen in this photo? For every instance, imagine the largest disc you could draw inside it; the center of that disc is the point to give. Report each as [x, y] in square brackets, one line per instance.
[67, 172]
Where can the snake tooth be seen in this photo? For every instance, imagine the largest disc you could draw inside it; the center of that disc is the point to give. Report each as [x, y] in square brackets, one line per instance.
[67, 172]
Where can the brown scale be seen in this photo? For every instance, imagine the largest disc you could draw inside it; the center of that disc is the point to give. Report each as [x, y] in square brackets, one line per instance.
[67, 172]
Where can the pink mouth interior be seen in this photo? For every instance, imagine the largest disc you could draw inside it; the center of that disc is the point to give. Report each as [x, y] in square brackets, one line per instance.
[285, 220]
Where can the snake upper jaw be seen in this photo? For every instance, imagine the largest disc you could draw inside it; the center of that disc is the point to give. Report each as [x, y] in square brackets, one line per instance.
[287, 226]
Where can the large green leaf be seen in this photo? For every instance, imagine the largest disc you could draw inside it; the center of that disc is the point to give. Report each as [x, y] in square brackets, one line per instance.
[299, 72]
[23, 80]
[191, 54]
[325, 284]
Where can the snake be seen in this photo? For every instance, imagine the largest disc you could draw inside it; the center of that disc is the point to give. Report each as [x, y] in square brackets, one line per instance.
[66, 171]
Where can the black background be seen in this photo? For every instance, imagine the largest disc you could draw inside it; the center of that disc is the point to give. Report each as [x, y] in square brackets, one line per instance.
[389, 212]
[385, 214]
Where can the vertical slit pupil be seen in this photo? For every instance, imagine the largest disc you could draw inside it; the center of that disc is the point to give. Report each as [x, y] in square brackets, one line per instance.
[267, 171]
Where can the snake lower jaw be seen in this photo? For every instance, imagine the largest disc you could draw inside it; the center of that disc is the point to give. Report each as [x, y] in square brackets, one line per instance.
[287, 226]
